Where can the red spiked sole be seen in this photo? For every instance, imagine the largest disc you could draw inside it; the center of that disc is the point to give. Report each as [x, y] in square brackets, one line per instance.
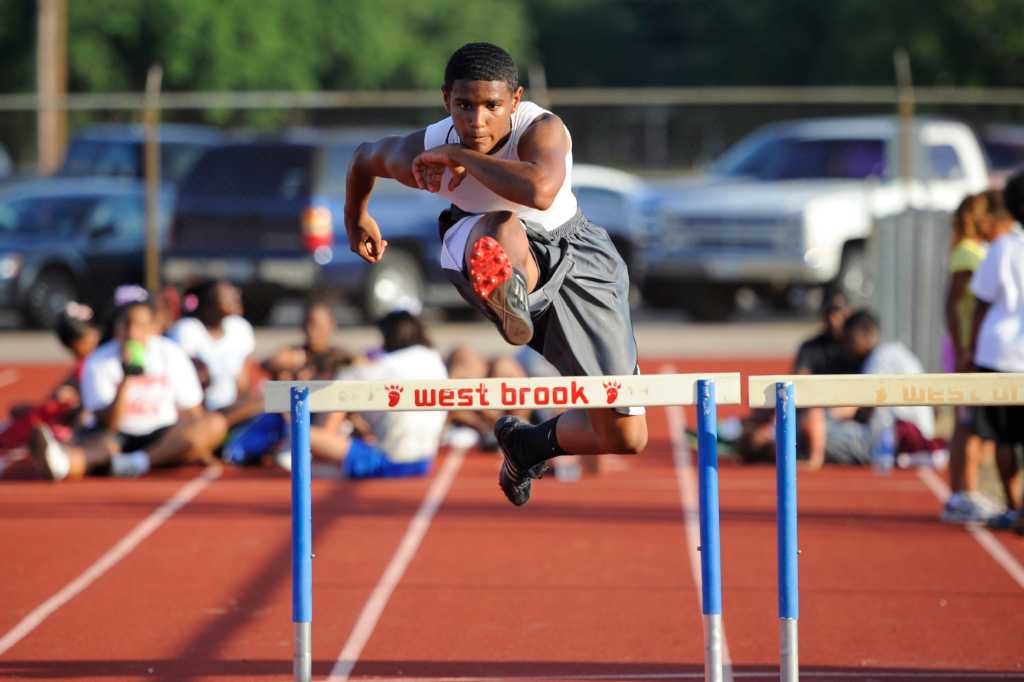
[489, 266]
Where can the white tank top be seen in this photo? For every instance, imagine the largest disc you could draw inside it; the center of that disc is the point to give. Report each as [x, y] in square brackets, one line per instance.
[473, 197]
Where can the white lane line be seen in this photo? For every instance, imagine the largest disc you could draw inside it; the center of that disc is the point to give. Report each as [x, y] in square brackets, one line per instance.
[407, 548]
[8, 377]
[983, 537]
[119, 551]
[688, 497]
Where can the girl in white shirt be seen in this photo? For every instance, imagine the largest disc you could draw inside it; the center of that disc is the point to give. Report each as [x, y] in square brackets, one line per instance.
[147, 403]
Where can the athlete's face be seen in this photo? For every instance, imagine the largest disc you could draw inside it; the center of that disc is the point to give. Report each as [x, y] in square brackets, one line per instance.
[481, 111]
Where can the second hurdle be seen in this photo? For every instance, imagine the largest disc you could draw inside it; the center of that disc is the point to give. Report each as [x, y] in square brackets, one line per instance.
[786, 393]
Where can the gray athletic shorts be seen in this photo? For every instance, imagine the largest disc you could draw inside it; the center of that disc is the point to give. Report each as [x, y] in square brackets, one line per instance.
[580, 308]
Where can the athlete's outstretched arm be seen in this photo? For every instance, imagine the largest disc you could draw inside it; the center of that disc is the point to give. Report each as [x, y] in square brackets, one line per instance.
[532, 181]
[390, 157]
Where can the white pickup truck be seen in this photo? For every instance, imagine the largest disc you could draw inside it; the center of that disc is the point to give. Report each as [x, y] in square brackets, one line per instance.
[792, 204]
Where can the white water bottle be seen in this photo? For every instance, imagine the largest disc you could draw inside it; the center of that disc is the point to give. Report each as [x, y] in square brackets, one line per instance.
[883, 449]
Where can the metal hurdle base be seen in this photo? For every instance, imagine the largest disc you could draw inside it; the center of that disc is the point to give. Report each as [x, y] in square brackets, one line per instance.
[713, 648]
[303, 665]
[789, 664]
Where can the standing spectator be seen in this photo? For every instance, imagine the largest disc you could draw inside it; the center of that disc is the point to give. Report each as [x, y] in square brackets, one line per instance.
[998, 334]
[966, 449]
[402, 443]
[146, 402]
[221, 339]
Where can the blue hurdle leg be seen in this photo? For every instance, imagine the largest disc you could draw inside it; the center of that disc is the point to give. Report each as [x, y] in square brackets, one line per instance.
[785, 489]
[302, 536]
[710, 551]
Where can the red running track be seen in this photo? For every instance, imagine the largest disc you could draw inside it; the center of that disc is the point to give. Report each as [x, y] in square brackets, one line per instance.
[592, 580]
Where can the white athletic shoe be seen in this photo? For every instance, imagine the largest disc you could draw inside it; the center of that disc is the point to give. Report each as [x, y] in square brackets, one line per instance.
[48, 454]
[283, 459]
[968, 508]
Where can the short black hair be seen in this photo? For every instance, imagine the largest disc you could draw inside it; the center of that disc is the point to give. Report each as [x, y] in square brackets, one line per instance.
[862, 320]
[481, 62]
[995, 202]
[834, 302]
[401, 329]
[1013, 196]
[73, 323]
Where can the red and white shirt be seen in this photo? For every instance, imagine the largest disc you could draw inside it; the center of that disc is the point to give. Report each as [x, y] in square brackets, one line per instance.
[168, 384]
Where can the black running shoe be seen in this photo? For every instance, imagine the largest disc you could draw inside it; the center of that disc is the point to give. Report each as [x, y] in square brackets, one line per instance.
[502, 288]
[514, 479]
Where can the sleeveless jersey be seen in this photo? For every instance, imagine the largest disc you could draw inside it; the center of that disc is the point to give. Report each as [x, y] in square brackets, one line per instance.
[473, 197]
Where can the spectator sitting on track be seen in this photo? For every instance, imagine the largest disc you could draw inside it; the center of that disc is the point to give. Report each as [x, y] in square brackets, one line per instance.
[998, 335]
[824, 353]
[404, 443]
[316, 350]
[316, 358]
[221, 339]
[849, 439]
[146, 402]
[465, 362]
[77, 331]
[966, 449]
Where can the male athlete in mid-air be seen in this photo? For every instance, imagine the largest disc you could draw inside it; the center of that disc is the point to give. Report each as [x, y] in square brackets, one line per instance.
[516, 246]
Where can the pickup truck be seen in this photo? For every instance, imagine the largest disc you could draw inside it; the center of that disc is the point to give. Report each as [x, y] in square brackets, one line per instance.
[792, 205]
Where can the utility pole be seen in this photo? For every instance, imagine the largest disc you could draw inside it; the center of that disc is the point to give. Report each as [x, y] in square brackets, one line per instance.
[51, 82]
[151, 121]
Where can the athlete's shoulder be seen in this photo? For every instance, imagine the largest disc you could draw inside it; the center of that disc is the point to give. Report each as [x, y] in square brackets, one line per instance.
[439, 133]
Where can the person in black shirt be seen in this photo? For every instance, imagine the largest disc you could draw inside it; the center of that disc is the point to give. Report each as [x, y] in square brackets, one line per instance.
[825, 352]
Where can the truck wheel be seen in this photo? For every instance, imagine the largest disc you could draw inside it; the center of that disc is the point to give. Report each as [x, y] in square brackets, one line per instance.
[396, 282]
[709, 303]
[48, 296]
[854, 280]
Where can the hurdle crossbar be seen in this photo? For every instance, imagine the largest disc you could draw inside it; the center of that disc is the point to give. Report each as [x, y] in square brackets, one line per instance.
[882, 390]
[585, 392]
[304, 397]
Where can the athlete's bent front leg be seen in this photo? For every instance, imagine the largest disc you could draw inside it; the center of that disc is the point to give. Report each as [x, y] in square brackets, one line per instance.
[502, 271]
[506, 229]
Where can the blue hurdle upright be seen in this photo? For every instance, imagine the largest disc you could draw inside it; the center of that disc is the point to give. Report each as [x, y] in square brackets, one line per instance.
[710, 543]
[785, 491]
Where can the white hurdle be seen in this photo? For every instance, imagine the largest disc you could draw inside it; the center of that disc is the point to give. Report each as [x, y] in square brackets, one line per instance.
[880, 390]
[589, 392]
[785, 393]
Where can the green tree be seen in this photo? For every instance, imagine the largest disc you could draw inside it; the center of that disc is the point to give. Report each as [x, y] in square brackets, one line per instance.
[280, 44]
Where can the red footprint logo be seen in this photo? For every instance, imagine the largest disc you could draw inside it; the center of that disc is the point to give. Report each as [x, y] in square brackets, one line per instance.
[394, 394]
[612, 387]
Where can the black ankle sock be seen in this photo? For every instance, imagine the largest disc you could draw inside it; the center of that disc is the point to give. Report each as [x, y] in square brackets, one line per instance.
[540, 443]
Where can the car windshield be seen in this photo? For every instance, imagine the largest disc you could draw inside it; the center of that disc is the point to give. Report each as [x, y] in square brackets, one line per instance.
[1005, 155]
[124, 159]
[45, 215]
[264, 171]
[799, 158]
